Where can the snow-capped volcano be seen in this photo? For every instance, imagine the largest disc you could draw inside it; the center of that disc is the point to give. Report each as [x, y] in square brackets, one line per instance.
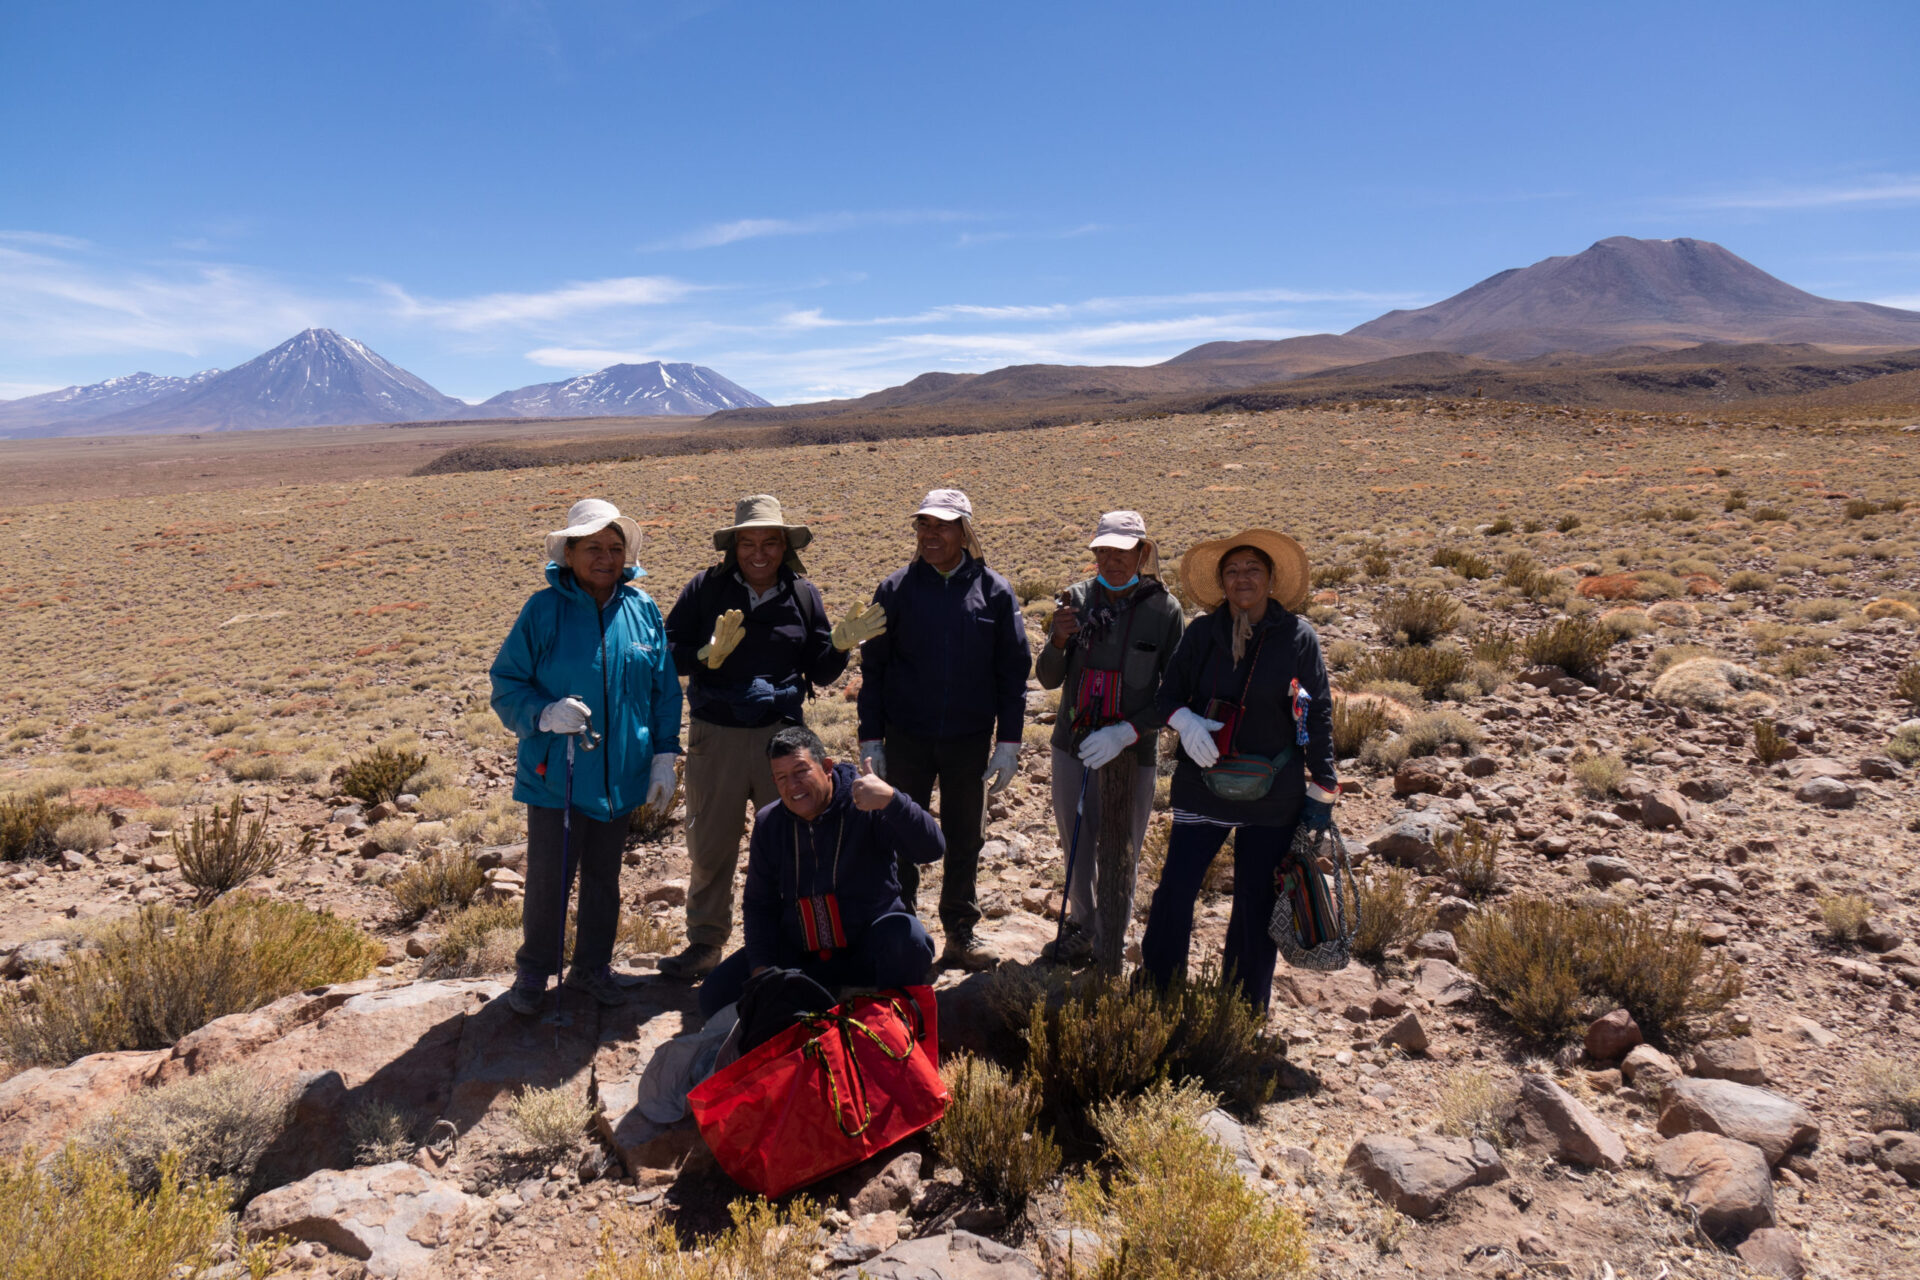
[84, 404]
[622, 389]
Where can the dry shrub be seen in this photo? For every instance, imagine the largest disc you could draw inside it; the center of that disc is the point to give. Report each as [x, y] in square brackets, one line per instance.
[763, 1243]
[1553, 966]
[1843, 916]
[1803, 661]
[1824, 609]
[379, 776]
[1674, 613]
[991, 1135]
[85, 832]
[1889, 608]
[218, 1124]
[439, 804]
[1626, 623]
[222, 851]
[395, 835]
[1906, 685]
[1892, 1084]
[1715, 684]
[1424, 735]
[1904, 745]
[1429, 669]
[381, 1133]
[1578, 646]
[478, 941]
[1471, 1105]
[1769, 744]
[1420, 615]
[1600, 775]
[653, 822]
[443, 880]
[1393, 910]
[1471, 856]
[548, 1122]
[1176, 1206]
[28, 825]
[1356, 720]
[1031, 587]
[155, 976]
[1566, 524]
[1463, 562]
[1332, 575]
[77, 1215]
[1747, 581]
[647, 935]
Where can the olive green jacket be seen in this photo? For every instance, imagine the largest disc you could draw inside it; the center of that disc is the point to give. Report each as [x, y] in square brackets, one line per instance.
[1140, 654]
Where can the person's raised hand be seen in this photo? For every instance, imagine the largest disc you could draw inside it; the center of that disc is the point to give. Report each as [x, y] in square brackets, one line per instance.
[728, 630]
[870, 790]
[1066, 625]
[862, 623]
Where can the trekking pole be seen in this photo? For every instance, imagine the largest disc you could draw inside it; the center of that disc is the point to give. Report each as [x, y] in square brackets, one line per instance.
[1066, 891]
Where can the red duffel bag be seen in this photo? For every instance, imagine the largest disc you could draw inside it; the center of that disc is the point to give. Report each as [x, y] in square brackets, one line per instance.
[826, 1093]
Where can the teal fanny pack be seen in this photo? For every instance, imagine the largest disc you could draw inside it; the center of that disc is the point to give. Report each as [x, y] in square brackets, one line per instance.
[1244, 776]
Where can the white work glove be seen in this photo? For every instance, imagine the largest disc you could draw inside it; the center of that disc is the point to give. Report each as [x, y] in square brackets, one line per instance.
[1196, 736]
[873, 756]
[1001, 766]
[661, 781]
[569, 715]
[1103, 746]
[862, 623]
[728, 631]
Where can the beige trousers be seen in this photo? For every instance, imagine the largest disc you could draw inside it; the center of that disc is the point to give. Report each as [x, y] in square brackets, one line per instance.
[727, 776]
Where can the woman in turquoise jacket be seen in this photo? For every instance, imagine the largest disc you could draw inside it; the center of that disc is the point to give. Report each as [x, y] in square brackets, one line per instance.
[586, 680]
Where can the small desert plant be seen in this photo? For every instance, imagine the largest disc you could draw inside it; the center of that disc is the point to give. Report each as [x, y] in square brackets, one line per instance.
[1714, 684]
[1418, 616]
[1892, 1084]
[1470, 1105]
[1030, 587]
[380, 775]
[77, 1215]
[478, 941]
[1431, 670]
[439, 804]
[1735, 501]
[1578, 646]
[1465, 563]
[645, 935]
[548, 1122]
[1904, 745]
[1376, 563]
[1600, 775]
[1567, 523]
[1769, 744]
[155, 976]
[1503, 524]
[1356, 721]
[1769, 513]
[1843, 916]
[395, 835]
[1749, 580]
[1423, 736]
[1906, 686]
[991, 1134]
[28, 824]
[381, 1133]
[1393, 909]
[1471, 857]
[1177, 1207]
[85, 832]
[218, 1124]
[222, 851]
[763, 1243]
[443, 880]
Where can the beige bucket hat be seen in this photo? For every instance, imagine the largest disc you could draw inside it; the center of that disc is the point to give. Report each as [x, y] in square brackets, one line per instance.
[587, 517]
[762, 511]
[1127, 530]
[1200, 568]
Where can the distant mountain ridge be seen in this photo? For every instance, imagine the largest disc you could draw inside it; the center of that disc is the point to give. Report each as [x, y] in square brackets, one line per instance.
[650, 388]
[85, 404]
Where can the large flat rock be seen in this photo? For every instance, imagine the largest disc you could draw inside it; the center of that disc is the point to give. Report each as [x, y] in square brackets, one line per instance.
[956, 1255]
[1418, 1175]
[39, 1108]
[1778, 1126]
[390, 1216]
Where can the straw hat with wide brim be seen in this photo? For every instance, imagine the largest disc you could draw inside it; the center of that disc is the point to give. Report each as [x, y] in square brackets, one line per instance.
[588, 517]
[1200, 568]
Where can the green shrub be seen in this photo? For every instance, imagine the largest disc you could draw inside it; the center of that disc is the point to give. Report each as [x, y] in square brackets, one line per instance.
[1471, 856]
[222, 851]
[443, 880]
[155, 976]
[763, 1243]
[477, 941]
[28, 824]
[1394, 909]
[1553, 966]
[1430, 670]
[379, 776]
[1567, 523]
[1463, 562]
[991, 1133]
[1578, 646]
[1420, 615]
[1769, 744]
[219, 1125]
[1904, 745]
[78, 1216]
[1176, 1208]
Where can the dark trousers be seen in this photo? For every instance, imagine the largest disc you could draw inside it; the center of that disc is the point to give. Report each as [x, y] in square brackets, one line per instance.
[915, 764]
[895, 951]
[1250, 950]
[593, 858]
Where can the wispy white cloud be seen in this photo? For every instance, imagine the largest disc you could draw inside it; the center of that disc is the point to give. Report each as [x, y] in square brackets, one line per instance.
[492, 310]
[44, 240]
[714, 235]
[584, 359]
[1878, 190]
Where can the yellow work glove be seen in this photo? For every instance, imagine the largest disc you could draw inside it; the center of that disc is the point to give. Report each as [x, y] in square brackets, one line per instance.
[727, 633]
[861, 624]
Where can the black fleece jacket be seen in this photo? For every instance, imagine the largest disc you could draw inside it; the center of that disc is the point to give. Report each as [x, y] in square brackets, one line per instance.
[787, 639]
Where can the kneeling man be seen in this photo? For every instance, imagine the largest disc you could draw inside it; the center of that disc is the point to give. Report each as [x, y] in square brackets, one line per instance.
[822, 892]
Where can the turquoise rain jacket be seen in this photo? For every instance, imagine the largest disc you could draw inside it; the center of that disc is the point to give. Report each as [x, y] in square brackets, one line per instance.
[616, 661]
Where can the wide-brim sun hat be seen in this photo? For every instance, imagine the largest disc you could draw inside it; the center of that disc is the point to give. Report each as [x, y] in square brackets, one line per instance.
[588, 517]
[761, 511]
[1200, 568]
[1126, 530]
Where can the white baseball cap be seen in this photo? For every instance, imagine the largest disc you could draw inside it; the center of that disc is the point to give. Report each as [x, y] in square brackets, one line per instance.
[946, 504]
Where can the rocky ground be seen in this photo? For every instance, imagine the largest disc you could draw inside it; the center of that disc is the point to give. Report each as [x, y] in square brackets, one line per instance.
[1615, 1158]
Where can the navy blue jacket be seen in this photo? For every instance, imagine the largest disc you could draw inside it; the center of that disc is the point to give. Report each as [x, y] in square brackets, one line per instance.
[954, 658]
[788, 640]
[1203, 669]
[789, 858]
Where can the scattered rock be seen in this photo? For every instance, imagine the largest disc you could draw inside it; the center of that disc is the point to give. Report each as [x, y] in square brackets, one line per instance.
[1664, 809]
[1899, 1151]
[1417, 1175]
[1481, 767]
[1409, 839]
[1706, 790]
[41, 1106]
[1612, 1037]
[870, 1234]
[1407, 1034]
[1778, 1126]
[1606, 869]
[954, 1255]
[1736, 1058]
[1773, 1252]
[1443, 984]
[1331, 991]
[1562, 1124]
[389, 1216]
[1878, 767]
[1419, 775]
[1828, 793]
[671, 892]
[892, 1188]
[1649, 1070]
[1727, 1184]
[1436, 945]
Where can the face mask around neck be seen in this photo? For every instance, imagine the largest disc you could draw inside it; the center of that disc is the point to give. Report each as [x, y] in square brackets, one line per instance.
[1128, 585]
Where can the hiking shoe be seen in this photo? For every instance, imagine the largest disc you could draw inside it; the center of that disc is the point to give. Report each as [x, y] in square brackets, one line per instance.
[598, 983]
[526, 993]
[696, 962]
[1073, 949]
[964, 951]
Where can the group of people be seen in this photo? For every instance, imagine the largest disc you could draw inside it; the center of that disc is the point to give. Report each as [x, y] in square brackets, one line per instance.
[589, 680]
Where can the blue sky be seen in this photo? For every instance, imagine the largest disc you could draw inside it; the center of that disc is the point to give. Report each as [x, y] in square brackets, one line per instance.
[823, 199]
